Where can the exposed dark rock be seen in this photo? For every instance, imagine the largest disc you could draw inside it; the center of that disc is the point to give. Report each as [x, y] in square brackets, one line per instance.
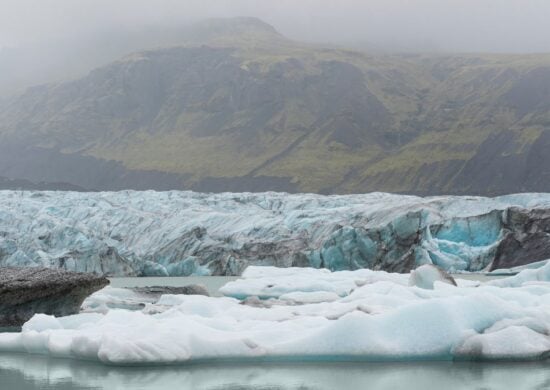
[20, 184]
[27, 291]
[157, 291]
[254, 301]
[530, 93]
[75, 172]
[527, 238]
[229, 266]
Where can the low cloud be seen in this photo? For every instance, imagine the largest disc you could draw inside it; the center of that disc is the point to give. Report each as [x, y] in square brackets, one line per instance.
[449, 25]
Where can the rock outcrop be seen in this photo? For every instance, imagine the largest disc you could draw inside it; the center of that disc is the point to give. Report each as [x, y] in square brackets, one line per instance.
[526, 238]
[27, 291]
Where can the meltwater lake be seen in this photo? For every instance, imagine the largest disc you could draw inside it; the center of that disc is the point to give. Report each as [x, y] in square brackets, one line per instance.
[24, 372]
[29, 372]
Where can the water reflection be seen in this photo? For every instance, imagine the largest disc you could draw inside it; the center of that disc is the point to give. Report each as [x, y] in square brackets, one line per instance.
[25, 372]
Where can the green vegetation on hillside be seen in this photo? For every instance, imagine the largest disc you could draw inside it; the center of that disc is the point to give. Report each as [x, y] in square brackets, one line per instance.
[237, 100]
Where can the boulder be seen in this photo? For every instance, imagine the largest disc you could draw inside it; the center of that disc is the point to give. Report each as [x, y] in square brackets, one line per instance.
[27, 291]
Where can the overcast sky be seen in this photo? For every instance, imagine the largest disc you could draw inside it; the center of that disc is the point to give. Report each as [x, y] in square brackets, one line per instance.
[446, 25]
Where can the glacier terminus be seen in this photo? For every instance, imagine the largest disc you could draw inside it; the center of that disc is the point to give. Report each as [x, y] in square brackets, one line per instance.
[133, 233]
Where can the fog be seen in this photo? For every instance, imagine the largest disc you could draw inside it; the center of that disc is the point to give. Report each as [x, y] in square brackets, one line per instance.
[449, 25]
[71, 32]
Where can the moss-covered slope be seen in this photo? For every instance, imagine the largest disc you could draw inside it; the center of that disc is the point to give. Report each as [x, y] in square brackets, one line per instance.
[239, 107]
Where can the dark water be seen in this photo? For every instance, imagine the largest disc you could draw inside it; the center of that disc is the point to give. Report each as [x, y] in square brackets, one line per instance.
[26, 372]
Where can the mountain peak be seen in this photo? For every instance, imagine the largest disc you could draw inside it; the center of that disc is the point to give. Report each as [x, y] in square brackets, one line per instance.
[240, 24]
[239, 31]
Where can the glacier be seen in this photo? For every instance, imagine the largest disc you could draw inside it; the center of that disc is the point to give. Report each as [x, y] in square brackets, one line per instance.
[304, 314]
[133, 233]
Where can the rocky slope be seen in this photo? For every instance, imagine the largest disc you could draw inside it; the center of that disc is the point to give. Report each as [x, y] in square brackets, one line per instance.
[186, 233]
[237, 107]
[21, 184]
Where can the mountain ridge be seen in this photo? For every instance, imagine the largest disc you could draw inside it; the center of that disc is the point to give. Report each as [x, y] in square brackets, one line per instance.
[240, 107]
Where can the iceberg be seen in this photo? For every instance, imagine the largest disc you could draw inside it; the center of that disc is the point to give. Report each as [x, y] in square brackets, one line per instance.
[133, 233]
[426, 275]
[306, 314]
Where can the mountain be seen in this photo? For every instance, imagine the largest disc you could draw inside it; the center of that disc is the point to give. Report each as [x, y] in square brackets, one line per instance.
[238, 107]
[25, 185]
[70, 57]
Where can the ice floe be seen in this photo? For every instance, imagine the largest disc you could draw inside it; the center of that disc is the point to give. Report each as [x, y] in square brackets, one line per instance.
[308, 314]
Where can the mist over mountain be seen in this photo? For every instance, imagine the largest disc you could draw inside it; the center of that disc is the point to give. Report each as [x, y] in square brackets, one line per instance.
[71, 57]
[237, 106]
[52, 41]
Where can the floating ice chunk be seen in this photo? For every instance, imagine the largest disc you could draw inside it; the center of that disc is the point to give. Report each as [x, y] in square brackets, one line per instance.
[315, 315]
[517, 342]
[426, 275]
[516, 270]
[115, 298]
[309, 297]
[42, 322]
[272, 282]
[541, 274]
[11, 342]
